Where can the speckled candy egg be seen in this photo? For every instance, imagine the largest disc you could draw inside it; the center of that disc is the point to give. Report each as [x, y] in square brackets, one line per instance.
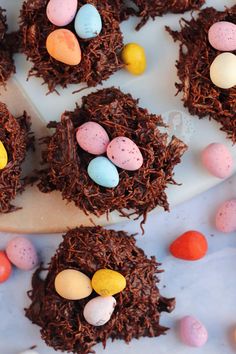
[72, 284]
[107, 282]
[93, 138]
[218, 160]
[103, 172]
[223, 70]
[125, 154]
[226, 217]
[222, 36]
[193, 332]
[22, 253]
[88, 22]
[98, 311]
[61, 12]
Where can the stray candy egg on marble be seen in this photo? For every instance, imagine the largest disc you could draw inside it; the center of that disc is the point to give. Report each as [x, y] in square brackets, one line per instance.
[218, 160]
[22, 253]
[226, 217]
[222, 36]
[134, 58]
[73, 285]
[29, 351]
[193, 332]
[63, 46]
[124, 153]
[103, 172]
[93, 138]
[107, 282]
[88, 22]
[98, 311]
[3, 156]
[61, 12]
[223, 70]
[5, 267]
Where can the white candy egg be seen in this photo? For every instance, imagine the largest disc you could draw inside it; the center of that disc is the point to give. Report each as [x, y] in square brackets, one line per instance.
[98, 311]
[223, 70]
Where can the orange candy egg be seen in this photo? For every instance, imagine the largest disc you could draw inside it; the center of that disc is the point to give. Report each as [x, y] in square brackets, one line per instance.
[63, 46]
[5, 267]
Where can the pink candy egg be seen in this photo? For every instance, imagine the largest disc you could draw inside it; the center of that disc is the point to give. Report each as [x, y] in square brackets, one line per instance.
[21, 252]
[222, 36]
[217, 160]
[193, 332]
[92, 138]
[61, 12]
[125, 154]
[226, 217]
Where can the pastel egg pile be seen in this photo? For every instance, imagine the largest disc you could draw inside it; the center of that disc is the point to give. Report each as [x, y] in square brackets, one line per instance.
[62, 44]
[121, 152]
[74, 285]
[222, 36]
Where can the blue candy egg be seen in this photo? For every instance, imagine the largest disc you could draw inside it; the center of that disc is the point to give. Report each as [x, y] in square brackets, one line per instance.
[103, 172]
[88, 22]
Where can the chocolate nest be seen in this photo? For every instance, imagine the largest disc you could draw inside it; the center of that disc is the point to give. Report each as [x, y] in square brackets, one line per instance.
[139, 306]
[138, 192]
[14, 134]
[200, 95]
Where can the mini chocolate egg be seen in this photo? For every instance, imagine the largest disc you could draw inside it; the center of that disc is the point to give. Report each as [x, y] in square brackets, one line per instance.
[22, 253]
[61, 12]
[3, 156]
[218, 160]
[98, 311]
[88, 22]
[93, 138]
[103, 172]
[125, 154]
[63, 46]
[107, 282]
[29, 351]
[73, 285]
[226, 217]
[134, 58]
[193, 332]
[223, 70]
[222, 36]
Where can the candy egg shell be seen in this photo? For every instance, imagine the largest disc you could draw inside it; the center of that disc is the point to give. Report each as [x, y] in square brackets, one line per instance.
[218, 160]
[222, 36]
[5, 267]
[73, 285]
[133, 55]
[103, 172]
[193, 332]
[107, 282]
[63, 46]
[61, 12]
[226, 217]
[92, 138]
[22, 253]
[98, 311]
[3, 156]
[88, 22]
[125, 154]
[223, 70]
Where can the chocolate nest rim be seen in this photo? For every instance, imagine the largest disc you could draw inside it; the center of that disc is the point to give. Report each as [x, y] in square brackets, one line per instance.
[200, 95]
[139, 306]
[139, 191]
[16, 138]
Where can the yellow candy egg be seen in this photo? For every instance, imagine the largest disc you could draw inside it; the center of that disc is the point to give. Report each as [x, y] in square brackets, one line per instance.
[223, 70]
[73, 285]
[63, 46]
[3, 156]
[134, 57]
[107, 282]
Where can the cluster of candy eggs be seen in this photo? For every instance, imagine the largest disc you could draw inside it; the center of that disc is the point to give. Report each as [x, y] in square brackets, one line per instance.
[222, 36]
[74, 285]
[121, 152]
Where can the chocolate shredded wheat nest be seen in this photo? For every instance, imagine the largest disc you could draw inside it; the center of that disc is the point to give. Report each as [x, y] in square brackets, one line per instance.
[139, 306]
[139, 191]
[15, 136]
[200, 95]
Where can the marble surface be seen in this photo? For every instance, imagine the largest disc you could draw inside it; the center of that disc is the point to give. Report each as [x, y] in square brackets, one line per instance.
[205, 289]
